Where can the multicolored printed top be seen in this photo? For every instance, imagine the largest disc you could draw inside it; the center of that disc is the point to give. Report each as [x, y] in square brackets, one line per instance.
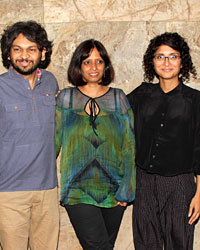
[98, 149]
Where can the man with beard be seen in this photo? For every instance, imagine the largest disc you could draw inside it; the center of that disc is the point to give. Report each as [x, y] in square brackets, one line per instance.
[28, 181]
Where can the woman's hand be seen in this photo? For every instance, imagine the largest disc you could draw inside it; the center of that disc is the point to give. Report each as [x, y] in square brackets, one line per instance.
[122, 204]
[57, 93]
[194, 210]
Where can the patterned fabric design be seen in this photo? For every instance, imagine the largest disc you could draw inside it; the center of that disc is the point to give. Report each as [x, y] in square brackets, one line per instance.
[97, 167]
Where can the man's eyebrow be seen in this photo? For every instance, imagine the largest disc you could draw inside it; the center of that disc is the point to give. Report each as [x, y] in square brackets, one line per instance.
[31, 46]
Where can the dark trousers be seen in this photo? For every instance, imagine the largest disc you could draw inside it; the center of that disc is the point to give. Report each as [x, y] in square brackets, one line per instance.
[160, 212]
[95, 227]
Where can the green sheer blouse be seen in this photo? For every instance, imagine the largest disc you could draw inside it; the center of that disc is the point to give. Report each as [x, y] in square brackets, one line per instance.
[98, 149]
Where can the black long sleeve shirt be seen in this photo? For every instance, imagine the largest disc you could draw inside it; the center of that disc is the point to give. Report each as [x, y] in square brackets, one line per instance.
[167, 129]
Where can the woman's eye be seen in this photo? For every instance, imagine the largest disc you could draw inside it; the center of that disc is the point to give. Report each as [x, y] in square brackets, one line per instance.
[173, 57]
[86, 62]
[100, 61]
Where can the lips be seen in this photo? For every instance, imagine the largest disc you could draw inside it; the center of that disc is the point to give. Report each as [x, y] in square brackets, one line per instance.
[167, 70]
[93, 74]
[24, 63]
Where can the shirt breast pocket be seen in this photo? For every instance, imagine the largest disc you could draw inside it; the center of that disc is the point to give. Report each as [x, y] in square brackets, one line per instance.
[17, 114]
[48, 107]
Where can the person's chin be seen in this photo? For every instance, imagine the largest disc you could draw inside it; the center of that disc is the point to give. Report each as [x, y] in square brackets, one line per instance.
[23, 71]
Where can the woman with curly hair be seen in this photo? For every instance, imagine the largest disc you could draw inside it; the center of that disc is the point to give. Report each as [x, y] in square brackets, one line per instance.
[167, 130]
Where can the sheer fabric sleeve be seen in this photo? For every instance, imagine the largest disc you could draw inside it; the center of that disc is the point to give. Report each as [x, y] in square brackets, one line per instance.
[126, 191]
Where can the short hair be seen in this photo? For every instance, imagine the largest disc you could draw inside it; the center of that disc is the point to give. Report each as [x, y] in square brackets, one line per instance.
[80, 54]
[176, 42]
[34, 32]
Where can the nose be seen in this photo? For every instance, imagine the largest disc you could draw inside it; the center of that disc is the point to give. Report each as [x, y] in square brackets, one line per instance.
[24, 54]
[94, 66]
[166, 61]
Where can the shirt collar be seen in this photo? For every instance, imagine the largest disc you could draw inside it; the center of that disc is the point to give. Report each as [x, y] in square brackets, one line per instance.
[38, 73]
[174, 91]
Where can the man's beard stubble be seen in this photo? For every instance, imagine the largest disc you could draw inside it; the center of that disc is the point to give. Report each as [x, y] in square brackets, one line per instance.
[26, 72]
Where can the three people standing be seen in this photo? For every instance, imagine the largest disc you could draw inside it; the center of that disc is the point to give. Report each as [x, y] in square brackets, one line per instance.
[94, 127]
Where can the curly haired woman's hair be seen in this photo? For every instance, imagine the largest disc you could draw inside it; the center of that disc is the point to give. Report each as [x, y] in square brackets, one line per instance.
[82, 52]
[176, 42]
[34, 32]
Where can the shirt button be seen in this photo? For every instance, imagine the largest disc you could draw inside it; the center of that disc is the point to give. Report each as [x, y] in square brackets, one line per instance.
[151, 166]
[34, 108]
[16, 107]
[153, 156]
[162, 114]
[33, 98]
[157, 145]
[161, 125]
